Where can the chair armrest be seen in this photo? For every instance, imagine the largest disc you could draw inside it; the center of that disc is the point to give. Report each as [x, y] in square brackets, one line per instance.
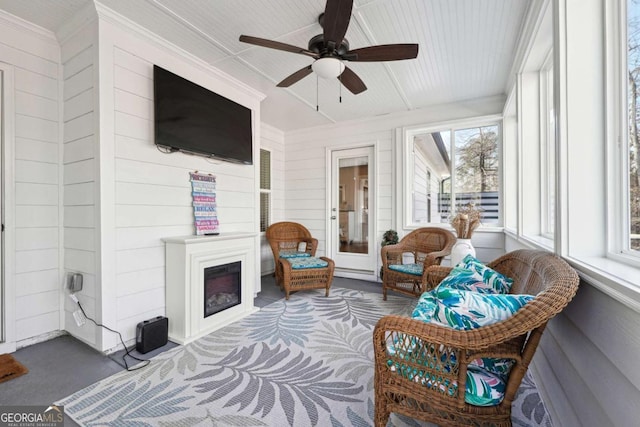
[312, 245]
[391, 254]
[434, 274]
[435, 258]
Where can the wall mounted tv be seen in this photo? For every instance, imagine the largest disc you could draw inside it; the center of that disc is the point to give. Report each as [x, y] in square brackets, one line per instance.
[193, 119]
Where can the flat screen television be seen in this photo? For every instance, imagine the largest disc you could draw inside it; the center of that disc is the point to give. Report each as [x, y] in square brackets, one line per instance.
[193, 119]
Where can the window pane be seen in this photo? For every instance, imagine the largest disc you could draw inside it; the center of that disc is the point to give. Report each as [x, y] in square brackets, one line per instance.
[431, 177]
[265, 201]
[633, 59]
[265, 170]
[477, 174]
[548, 226]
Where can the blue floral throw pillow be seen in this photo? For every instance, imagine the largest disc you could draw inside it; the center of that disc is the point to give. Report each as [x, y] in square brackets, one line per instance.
[489, 276]
[465, 310]
[467, 280]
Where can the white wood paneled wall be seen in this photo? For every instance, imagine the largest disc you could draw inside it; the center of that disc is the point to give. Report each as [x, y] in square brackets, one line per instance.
[80, 174]
[152, 191]
[34, 57]
[305, 168]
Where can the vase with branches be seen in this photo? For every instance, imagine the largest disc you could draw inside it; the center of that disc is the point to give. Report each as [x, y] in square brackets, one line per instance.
[465, 222]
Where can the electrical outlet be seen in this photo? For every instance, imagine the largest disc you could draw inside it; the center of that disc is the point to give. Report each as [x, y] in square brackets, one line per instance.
[79, 317]
[74, 282]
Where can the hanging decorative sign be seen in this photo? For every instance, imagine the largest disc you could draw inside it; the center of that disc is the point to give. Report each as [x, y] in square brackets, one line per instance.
[203, 191]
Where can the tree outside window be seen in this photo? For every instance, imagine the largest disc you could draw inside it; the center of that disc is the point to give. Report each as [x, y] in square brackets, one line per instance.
[476, 178]
[453, 164]
[633, 63]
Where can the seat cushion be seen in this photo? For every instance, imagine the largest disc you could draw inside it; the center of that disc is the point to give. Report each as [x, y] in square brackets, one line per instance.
[482, 388]
[301, 263]
[463, 310]
[413, 269]
[293, 254]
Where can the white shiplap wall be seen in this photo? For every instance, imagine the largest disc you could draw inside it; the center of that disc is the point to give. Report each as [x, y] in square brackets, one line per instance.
[305, 166]
[151, 190]
[34, 56]
[272, 139]
[80, 174]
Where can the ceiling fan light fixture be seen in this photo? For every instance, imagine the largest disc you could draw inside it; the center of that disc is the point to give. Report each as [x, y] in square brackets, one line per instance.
[328, 67]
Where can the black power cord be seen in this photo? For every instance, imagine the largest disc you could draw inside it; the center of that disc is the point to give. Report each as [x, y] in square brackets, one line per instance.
[126, 350]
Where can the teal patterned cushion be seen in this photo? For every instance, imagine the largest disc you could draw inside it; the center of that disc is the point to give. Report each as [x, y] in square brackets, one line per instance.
[307, 262]
[426, 306]
[498, 367]
[464, 310]
[293, 254]
[482, 388]
[414, 269]
[491, 277]
[467, 280]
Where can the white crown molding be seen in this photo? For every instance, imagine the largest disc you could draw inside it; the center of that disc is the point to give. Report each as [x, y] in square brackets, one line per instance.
[113, 17]
[85, 16]
[41, 33]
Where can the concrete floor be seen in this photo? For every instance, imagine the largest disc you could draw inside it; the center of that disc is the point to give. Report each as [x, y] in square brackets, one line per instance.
[64, 365]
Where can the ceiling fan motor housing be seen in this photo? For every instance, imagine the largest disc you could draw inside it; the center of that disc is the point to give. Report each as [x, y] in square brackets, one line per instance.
[317, 45]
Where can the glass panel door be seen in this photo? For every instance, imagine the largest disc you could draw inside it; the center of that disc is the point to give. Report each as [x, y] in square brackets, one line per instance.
[351, 211]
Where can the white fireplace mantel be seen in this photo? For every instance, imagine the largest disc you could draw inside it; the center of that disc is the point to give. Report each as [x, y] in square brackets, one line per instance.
[186, 259]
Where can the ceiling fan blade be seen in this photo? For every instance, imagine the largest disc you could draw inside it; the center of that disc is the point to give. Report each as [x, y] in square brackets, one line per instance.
[337, 14]
[295, 77]
[384, 52]
[277, 45]
[351, 81]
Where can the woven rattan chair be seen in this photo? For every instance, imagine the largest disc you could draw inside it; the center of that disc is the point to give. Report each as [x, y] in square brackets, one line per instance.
[286, 237]
[539, 273]
[428, 245]
[291, 237]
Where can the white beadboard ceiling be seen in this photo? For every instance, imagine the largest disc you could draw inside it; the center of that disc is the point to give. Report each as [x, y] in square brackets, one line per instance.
[466, 51]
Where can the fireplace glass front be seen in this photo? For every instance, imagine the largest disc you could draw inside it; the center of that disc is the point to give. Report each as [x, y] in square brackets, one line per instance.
[221, 287]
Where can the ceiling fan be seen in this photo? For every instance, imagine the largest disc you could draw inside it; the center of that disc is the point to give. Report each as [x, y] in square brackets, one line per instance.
[330, 49]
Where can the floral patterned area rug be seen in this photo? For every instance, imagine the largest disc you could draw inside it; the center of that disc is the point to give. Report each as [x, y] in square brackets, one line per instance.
[303, 362]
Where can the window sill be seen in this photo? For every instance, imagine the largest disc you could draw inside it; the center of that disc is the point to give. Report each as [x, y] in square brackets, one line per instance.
[534, 242]
[616, 279]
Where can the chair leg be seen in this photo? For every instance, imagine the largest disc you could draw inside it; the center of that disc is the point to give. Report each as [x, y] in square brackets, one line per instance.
[381, 416]
[384, 293]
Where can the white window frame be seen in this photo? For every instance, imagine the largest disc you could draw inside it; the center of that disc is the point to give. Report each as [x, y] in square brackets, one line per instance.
[407, 165]
[547, 149]
[266, 190]
[618, 225]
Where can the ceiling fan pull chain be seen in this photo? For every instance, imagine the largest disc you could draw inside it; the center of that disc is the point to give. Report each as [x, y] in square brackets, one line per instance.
[340, 86]
[317, 107]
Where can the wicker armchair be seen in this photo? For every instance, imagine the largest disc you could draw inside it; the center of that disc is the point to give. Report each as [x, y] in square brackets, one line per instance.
[286, 237]
[539, 273]
[428, 246]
